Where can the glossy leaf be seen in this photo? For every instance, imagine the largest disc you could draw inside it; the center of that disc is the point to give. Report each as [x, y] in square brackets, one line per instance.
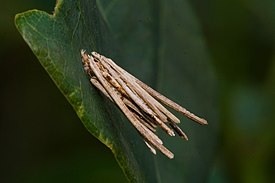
[158, 41]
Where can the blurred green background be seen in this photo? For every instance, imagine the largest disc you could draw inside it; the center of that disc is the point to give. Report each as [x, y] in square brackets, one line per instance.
[42, 139]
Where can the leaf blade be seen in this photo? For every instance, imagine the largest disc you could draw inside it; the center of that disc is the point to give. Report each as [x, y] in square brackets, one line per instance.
[78, 24]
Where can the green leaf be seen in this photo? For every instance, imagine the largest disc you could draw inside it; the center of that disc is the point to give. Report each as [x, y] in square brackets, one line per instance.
[158, 41]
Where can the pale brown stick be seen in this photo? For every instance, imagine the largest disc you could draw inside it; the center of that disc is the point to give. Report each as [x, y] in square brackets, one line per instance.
[134, 86]
[150, 120]
[146, 122]
[172, 104]
[146, 133]
[151, 133]
[153, 150]
[161, 97]
[154, 104]
[179, 131]
[137, 100]
[127, 92]
[113, 82]
[100, 87]
[131, 94]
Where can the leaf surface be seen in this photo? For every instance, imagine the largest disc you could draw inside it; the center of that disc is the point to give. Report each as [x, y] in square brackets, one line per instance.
[159, 42]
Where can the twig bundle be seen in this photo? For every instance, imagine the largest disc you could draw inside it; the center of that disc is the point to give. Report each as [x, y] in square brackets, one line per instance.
[140, 103]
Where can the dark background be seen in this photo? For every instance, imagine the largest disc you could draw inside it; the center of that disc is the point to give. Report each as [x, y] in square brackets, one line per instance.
[42, 139]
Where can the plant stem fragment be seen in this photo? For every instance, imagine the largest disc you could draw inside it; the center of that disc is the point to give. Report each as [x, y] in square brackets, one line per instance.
[140, 103]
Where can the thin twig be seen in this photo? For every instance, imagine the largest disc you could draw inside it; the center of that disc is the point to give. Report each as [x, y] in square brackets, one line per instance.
[154, 104]
[139, 102]
[146, 133]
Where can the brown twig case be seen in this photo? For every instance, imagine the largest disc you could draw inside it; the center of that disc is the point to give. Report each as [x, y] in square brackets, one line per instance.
[140, 103]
